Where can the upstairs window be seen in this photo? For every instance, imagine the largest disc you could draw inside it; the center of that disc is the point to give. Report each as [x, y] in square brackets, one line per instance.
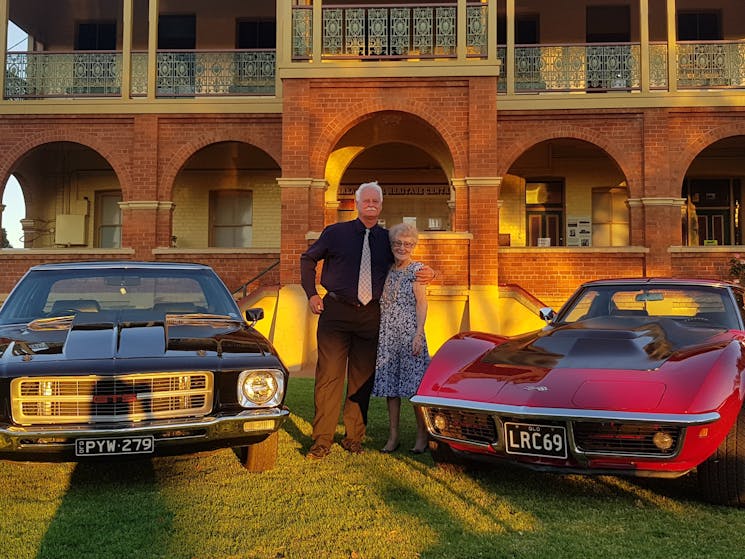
[256, 34]
[95, 35]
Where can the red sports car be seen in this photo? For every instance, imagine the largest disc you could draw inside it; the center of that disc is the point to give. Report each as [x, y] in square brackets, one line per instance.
[640, 377]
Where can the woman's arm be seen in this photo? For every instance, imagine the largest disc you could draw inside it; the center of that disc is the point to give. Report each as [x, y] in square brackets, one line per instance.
[420, 294]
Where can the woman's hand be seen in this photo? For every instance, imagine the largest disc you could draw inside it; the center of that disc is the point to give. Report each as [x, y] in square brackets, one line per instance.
[417, 344]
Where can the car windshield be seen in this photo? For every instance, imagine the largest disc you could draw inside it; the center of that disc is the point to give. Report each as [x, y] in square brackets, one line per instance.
[121, 294]
[697, 304]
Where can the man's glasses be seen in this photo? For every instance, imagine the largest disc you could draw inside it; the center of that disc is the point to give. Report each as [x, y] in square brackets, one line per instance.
[405, 244]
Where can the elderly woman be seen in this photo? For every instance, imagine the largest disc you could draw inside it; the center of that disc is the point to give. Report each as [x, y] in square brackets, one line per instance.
[402, 348]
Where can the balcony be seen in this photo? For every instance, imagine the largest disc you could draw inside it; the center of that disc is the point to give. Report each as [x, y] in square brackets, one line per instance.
[329, 39]
[180, 73]
[594, 67]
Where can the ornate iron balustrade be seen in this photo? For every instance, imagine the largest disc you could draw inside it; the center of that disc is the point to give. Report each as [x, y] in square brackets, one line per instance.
[37, 75]
[711, 65]
[34, 75]
[191, 73]
[396, 32]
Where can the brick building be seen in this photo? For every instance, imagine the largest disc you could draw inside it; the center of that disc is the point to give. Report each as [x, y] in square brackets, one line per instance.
[537, 143]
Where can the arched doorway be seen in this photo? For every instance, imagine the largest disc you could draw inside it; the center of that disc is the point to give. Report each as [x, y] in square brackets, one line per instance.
[564, 192]
[714, 191]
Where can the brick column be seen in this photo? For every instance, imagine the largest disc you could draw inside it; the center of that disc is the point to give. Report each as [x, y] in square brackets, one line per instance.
[458, 205]
[143, 226]
[662, 222]
[483, 195]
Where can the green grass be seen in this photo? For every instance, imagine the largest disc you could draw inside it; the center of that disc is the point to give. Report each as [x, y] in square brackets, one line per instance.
[369, 506]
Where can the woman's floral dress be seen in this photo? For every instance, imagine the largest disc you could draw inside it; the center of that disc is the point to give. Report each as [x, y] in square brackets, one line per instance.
[397, 371]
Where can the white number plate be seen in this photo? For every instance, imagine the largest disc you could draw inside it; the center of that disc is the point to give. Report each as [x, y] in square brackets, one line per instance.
[112, 446]
[548, 441]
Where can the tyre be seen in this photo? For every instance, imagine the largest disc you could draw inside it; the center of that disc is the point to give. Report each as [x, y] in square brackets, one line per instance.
[444, 457]
[721, 477]
[260, 457]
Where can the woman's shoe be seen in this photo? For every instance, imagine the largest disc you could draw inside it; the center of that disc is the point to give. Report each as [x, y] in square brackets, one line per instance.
[385, 450]
[418, 450]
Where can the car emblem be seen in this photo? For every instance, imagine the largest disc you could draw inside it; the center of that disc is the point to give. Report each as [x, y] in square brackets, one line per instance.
[538, 388]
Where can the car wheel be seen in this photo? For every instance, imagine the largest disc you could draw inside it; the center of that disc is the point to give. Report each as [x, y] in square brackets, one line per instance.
[721, 477]
[444, 457]
[260, 457]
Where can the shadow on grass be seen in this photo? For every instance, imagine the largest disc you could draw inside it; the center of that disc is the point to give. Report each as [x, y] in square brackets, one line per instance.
[131, 516]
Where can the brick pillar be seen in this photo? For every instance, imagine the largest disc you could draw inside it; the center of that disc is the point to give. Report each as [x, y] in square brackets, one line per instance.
[662, 223]
[296, 219]
[140, 226]
[458, 205]
[483, 195]
[636, 221]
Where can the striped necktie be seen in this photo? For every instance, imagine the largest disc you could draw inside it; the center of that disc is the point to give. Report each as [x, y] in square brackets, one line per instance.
[364, 286]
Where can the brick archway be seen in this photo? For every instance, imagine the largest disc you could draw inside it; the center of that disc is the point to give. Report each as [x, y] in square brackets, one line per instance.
[619, 157]
[347, 120]
[178, 159]
[689, 153]
[111, 155]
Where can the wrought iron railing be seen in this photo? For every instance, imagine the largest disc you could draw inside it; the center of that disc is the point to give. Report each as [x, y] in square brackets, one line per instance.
[711, 64]
[395, 32]
[34, 75]
[606, 67]
[192, 73]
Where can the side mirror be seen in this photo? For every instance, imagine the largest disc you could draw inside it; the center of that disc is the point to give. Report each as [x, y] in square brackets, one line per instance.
[254, 315]
[547, 314]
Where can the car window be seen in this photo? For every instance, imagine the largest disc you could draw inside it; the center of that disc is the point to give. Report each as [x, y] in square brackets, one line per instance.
[703, 304]
[130, 294]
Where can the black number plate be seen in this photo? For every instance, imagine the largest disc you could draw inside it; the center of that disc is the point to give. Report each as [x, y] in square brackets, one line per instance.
[113, 446]
[549, 441]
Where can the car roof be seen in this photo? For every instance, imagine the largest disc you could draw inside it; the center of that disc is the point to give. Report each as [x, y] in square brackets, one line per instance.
[119, 264]
[661, 281]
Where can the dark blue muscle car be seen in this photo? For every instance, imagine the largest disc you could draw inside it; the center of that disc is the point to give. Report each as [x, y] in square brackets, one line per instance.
[117, 359]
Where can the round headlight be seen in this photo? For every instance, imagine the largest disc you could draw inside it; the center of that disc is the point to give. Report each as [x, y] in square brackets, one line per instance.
[662, 440]
[259, 387]
[440, 422]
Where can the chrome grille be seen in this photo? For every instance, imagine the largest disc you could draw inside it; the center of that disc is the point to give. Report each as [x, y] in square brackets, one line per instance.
[623, 439]
[478, 428]
[98, 399]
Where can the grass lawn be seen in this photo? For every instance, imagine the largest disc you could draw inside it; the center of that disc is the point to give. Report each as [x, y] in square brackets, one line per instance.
[368, 506]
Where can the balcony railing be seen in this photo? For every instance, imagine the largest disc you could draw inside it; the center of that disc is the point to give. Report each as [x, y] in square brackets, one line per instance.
[616, 66]
[37, 75]
[393, 32]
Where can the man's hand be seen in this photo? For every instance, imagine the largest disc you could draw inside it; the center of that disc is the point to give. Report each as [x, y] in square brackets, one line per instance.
[425, 275]
[316, 304]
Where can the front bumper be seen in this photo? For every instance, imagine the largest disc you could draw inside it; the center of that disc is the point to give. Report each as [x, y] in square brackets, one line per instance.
[175, 436]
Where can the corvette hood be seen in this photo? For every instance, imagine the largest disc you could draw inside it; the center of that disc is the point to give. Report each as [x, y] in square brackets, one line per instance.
[594, 364]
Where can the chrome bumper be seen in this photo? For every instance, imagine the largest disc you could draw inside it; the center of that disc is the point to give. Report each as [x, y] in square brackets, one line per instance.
[196, 432]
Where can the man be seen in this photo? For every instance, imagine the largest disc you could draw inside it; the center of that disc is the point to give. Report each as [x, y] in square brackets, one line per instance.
[349, 318]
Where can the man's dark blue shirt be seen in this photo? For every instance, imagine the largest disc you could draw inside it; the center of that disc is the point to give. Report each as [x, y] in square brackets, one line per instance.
[340, 248]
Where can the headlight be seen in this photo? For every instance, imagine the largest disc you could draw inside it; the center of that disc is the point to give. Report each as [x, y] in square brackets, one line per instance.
[260, 388]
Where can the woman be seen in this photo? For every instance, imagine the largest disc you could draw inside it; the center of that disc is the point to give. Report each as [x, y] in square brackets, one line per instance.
[402, 349]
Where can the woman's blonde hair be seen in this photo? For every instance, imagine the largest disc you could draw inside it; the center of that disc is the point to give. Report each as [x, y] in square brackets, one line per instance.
[403, 230]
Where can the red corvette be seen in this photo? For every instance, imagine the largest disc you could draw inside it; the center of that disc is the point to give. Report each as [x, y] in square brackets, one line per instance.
[639, 377]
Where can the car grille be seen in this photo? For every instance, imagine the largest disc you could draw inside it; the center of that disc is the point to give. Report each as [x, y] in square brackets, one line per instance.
[477, 428]
[99, 399]
[623, 439]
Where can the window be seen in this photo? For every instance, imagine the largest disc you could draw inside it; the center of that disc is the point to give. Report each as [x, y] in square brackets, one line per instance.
[108, 219]
[96, 35]
[231, 218]
[177, 32]
[699, 26]
[256, 34]
[610, 217]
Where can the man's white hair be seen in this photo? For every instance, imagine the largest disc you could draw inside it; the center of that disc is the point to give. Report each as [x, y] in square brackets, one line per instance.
[365, 186]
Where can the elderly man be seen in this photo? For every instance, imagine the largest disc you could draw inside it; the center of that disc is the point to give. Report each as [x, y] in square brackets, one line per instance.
[356, 258]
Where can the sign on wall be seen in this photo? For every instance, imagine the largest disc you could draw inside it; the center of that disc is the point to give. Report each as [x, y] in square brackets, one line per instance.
[579, 232]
